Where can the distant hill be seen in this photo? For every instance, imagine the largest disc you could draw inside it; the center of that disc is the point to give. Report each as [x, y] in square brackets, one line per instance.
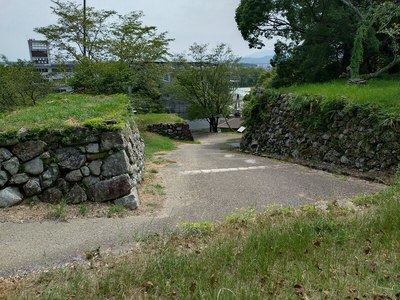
[258, 58]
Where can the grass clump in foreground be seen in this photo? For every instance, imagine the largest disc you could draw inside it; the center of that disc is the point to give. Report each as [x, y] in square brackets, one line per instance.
[383, 92]
[64, 111]
[155, 189]
[306, 254]
[116, 210]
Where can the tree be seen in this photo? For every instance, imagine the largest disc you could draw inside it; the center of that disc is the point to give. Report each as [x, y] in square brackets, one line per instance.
[317, 36]
[106, 78]
[104, 34]
[205, 82]
[248, 76]
[67, 36]
[116, 53]
[378, 19]
[131, 42]
[21, 84]
[146, 89]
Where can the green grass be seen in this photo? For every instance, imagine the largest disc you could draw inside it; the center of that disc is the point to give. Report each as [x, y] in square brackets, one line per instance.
[58, 212]
[83, 209]
[142, 120]
[306, 254]
[116, 210]
[153, 142]
[381, 92]
[155, 189]
[65, 111]
[156, 143]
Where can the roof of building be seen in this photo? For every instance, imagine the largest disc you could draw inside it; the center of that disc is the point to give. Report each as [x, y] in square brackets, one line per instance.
[233, 123]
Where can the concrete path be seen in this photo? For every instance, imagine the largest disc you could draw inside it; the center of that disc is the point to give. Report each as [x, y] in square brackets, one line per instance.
[205, 183]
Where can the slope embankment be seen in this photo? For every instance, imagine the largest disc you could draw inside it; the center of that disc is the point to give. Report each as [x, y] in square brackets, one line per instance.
[332, 134]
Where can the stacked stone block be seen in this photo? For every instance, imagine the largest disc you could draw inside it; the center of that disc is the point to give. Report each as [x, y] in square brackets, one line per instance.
[177, 131]
[100, 167]
[352, 140]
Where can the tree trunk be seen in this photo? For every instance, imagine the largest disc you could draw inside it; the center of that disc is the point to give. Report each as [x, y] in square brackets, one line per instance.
[395, 61]
[213, 124]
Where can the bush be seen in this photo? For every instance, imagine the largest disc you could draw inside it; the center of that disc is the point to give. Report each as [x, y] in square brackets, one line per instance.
[142, 103]
[106, 78]
[21, 84]
[102, 78]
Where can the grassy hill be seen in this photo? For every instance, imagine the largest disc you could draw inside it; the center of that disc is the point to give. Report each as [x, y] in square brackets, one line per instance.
[381, 92]
[64, 111]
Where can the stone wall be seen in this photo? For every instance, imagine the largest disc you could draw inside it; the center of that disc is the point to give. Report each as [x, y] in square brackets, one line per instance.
[352, 139]
[78, 166]
[177, 131]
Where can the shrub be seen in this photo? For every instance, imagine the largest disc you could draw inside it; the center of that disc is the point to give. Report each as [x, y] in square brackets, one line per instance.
[102, 78]
[21, 84]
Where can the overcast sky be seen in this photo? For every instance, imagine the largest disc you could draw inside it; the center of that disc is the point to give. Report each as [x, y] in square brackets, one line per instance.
[187, 21]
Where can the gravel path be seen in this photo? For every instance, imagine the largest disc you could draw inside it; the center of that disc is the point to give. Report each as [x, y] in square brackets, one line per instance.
[205, 183]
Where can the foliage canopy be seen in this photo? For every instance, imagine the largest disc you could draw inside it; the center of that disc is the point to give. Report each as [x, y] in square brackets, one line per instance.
[103, 35]
[318, 38]
[205, 81]
[21, 84]
[114, 53]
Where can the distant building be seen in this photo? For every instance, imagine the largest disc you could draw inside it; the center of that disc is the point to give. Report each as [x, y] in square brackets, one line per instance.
[39, 52]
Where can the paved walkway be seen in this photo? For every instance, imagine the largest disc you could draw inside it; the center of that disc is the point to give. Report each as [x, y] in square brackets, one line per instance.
[205, 183]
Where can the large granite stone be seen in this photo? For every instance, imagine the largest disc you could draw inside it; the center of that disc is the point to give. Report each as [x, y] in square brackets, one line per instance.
[51, 195]
[22, 133]
[10, 196]
[34, 166]
[95, 167]
[112, 140]
[70, 158]
[74, 176]
[5, 154]
[32, 187]
[11, 165]
[3, 178]
[50, 176]
[28, 150]
[6, 142]
[93, 148]
[91, 180]
[111, 189]
[116, 164]
[85, 171]
[76, 195]
[62, 185]
[130, 201]
[81, 135]
[96, 156]
[19, 179]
